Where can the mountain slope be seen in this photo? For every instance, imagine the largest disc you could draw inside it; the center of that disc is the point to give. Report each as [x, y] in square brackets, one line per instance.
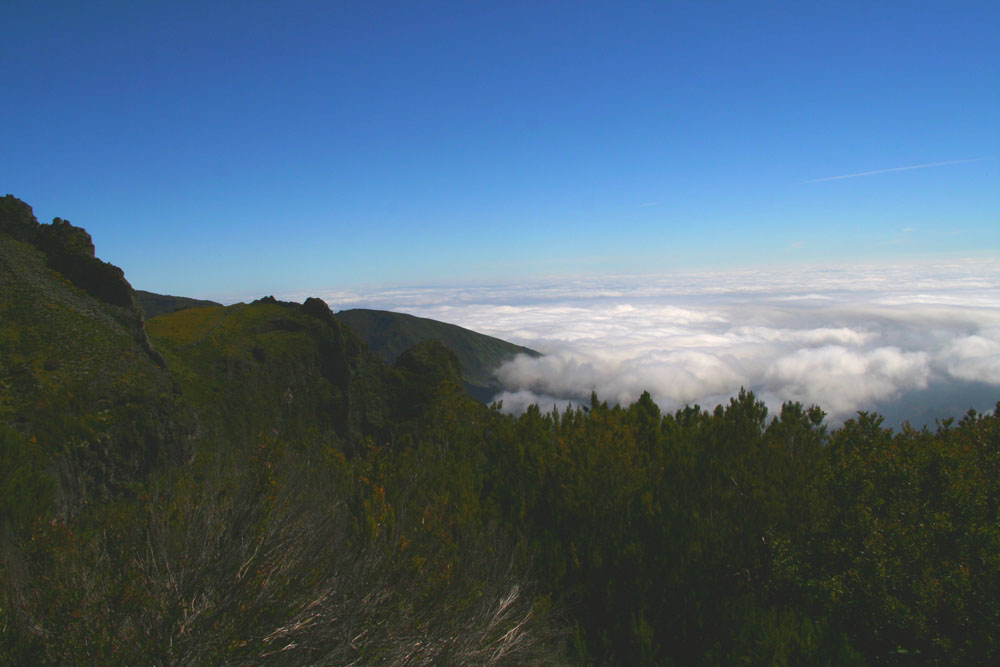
[216, 492]
[78, 377]
[389, 334]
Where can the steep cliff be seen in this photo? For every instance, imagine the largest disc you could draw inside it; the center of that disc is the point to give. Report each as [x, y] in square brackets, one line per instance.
[79, 379]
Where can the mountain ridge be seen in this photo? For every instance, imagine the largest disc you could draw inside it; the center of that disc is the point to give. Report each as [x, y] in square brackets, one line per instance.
[153, 304]
[389, 334]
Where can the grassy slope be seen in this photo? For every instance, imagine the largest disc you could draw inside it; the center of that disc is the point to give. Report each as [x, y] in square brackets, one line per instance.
[389, 334]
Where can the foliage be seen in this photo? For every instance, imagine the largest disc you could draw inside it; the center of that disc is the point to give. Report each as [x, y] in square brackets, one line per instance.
[269, 491]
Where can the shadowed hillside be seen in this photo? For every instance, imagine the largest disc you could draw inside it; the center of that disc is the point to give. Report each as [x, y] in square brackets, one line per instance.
[389, 334]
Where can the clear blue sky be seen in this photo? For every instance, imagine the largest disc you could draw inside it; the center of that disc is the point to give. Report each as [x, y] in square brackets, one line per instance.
[247, 147]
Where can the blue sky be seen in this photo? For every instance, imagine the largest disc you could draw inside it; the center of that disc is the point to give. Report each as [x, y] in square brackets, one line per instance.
[250, 148]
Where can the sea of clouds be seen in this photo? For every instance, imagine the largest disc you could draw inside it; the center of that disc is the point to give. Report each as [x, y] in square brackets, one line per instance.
[917, 340]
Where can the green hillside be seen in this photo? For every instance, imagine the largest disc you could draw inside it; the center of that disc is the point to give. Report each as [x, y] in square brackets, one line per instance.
[254, 485]
[389, 334]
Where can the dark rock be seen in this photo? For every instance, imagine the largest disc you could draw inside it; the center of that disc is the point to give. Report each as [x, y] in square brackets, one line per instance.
[318, 309]
[63, 237]
[17, 219]
[69, 250]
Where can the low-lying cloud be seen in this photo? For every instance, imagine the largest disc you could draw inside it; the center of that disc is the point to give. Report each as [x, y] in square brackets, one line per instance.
[845, 339]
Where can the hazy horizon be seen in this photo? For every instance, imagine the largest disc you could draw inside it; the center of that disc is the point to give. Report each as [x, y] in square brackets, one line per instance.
[911, 341]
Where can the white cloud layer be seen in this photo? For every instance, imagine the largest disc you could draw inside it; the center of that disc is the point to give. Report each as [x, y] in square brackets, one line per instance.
[846, 339]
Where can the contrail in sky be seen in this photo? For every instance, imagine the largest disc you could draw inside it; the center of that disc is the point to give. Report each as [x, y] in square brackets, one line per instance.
[885, 171]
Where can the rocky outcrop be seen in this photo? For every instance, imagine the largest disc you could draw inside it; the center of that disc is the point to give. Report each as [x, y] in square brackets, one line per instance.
[318, 309]
[70, 251]
[17, 219]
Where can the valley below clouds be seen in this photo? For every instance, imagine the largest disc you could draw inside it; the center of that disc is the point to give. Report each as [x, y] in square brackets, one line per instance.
[911, 341]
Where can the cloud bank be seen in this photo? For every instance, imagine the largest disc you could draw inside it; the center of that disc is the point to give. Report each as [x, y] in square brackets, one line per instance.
[845, 339]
